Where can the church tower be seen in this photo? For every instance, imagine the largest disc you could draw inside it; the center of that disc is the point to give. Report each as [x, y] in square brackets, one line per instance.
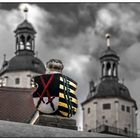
[18, 71]
[109, 107]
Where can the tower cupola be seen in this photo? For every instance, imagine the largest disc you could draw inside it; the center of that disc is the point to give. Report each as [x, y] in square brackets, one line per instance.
[109, 62]
[25, 37]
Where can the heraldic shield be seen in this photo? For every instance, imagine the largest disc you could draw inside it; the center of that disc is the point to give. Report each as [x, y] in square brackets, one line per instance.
[55, 95]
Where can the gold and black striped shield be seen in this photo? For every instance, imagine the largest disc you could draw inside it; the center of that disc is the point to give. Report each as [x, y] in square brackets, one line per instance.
[68, 102]
[63, 91]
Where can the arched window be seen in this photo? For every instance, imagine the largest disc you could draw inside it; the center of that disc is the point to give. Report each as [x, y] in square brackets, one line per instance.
[108, 68]
[103, 69]
[28, 43]
[114, 70]
[17, 41]
[22, 42]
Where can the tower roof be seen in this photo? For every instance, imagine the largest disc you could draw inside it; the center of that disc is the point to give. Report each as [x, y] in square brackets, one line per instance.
[24, 62]
[111, 88]
[12, 102]
[25, 25]
[109, 53]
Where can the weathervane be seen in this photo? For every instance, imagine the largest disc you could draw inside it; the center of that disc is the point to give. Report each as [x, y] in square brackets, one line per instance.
[108, 39]
[25, 11]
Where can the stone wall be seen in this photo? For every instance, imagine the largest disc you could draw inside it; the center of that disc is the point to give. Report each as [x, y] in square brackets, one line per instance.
[114, 116]
[24, 76]
[21, 130]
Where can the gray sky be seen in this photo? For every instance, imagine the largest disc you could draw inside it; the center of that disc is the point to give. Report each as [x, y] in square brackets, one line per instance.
[75, 33]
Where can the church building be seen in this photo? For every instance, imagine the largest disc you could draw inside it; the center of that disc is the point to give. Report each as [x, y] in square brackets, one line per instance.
[18, 71]
[109, 107]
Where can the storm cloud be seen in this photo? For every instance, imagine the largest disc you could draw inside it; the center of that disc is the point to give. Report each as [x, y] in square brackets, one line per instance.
[75, 33]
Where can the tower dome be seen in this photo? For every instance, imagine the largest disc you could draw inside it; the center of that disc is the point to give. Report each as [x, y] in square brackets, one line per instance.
[23, 63]
[108, 53]
[112, 88]
[25, 26]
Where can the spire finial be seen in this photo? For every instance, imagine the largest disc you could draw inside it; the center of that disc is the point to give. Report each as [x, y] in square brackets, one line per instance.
[108, 39]
[25, 11]
[4, 56]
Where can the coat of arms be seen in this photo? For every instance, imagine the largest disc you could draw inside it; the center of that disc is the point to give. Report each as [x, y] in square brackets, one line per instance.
[55, 93]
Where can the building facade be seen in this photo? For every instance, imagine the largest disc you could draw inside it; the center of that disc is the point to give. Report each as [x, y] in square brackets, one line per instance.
[109, 107]
[18, 71]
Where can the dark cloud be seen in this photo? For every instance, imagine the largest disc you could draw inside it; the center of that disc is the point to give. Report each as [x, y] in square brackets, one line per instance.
[9, 6]
[71, 18]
